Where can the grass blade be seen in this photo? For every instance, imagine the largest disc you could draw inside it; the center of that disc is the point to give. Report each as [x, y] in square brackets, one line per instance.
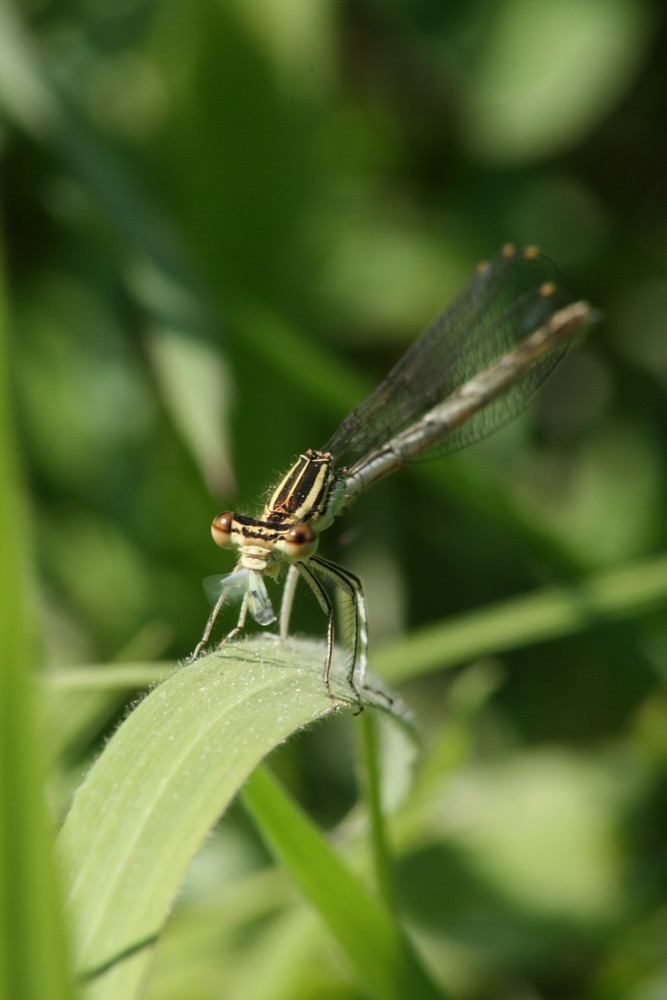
[610, 596]
[374, 944]
[33, 956]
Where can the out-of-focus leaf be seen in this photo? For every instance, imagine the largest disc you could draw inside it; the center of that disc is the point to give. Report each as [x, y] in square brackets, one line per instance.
[33, 954]
[548, 614]
[549, 71]
[198, 393]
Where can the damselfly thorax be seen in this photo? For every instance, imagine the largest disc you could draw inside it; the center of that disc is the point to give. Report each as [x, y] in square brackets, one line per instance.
[474, 369]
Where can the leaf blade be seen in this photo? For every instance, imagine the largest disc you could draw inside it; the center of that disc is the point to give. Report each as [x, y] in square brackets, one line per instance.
[375, 945]
[162, 781]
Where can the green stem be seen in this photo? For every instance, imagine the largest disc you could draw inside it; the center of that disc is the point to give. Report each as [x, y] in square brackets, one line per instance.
[378, 829]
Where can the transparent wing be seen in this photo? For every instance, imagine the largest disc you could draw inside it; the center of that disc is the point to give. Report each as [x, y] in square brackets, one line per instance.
[501, 306]
[236, 584]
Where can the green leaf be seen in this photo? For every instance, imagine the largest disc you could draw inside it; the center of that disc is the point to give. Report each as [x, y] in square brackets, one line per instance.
[550, 71]
[375, 945]
[161, 783]
[33, 956]
[551, 613]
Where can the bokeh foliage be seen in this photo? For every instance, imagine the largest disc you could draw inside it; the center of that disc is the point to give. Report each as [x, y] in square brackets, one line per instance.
[222, 222]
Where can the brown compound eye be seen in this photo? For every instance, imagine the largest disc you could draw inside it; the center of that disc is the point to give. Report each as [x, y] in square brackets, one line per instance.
[222, 528]
[300, 542]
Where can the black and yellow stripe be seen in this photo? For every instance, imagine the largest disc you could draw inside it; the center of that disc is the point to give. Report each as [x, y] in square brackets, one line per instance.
[305, 492]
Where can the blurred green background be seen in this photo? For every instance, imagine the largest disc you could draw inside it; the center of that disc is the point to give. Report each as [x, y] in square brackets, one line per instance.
[222, 223]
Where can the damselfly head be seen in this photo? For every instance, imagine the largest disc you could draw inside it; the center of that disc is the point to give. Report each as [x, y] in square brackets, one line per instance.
[260, 542]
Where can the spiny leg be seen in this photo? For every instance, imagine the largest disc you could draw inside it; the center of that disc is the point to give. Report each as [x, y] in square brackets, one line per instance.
[239, 624]
[209, 626]
[327, 607]
[288, 600]
[351, 587]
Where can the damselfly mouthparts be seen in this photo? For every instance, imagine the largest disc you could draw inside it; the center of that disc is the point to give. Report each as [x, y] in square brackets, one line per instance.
[474, 369]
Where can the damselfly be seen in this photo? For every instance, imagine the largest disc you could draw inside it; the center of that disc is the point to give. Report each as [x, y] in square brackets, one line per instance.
[474, 369]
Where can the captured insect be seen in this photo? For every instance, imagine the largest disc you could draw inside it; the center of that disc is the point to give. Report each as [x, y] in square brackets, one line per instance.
[473, 370]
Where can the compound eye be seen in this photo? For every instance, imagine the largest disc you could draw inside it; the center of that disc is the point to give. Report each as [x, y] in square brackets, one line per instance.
[222, 528]
[300, 541]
